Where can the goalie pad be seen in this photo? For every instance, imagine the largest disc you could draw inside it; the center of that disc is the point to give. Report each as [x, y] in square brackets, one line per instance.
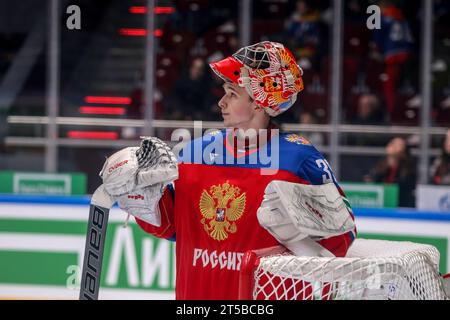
[297, 215]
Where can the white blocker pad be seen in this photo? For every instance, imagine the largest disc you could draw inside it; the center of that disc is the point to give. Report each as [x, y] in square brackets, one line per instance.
[297, 215]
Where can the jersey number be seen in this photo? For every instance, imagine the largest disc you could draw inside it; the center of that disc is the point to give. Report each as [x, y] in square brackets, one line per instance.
[400, 32]
[323, 164]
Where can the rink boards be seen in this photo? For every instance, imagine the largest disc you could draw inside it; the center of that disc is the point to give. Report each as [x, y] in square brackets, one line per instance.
[42, 244]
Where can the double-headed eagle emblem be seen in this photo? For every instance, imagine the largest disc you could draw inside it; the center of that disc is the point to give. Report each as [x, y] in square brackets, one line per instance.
[221, 207]
[297, 139]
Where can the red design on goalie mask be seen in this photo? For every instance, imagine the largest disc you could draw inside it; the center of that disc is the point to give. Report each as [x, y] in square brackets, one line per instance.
[269, 73]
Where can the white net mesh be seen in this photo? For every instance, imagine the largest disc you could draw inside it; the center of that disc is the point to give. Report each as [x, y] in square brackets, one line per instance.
[372, 270]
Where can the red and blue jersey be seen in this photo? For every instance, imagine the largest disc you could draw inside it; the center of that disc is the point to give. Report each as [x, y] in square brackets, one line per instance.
[394, 38]
[212, 208]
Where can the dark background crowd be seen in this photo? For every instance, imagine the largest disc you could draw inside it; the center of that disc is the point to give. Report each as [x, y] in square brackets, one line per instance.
[380, 85]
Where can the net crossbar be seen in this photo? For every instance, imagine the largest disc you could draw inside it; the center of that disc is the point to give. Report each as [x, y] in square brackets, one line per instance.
[372, 270]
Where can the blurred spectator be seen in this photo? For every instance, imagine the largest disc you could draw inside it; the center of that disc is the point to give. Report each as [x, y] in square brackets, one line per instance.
[397, 167]
[441, 11]
[191, 96]
[355, 11]
[216, 93]
[305, 33]
[200, 16]
[190, 16]
[356, 41]
[368, 111]
[440, 169]
[316, 138]
[136, 109]
[221, 41]
[395, 43]
[445, 104]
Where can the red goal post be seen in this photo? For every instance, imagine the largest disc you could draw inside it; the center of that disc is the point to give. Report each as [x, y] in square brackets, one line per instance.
[372, 270]
[250, 262]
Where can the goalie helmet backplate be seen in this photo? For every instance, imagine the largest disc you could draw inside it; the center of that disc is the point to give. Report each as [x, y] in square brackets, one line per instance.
[269, 73]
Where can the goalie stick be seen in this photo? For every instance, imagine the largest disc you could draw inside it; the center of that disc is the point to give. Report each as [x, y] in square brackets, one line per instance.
[151, 165]
[101, 203]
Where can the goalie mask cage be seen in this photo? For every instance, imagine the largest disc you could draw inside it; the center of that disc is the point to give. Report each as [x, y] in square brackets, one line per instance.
[372, 270]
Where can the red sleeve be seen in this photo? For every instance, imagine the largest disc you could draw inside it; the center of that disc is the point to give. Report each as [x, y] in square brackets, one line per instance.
[166, 208]
[338, 245]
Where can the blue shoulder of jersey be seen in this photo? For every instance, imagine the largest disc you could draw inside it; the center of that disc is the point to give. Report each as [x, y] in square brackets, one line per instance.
[295, 154]
[300, 157]
[196, 150]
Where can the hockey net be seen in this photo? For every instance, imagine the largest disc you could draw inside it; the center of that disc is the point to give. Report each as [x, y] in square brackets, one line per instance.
[372, 270]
